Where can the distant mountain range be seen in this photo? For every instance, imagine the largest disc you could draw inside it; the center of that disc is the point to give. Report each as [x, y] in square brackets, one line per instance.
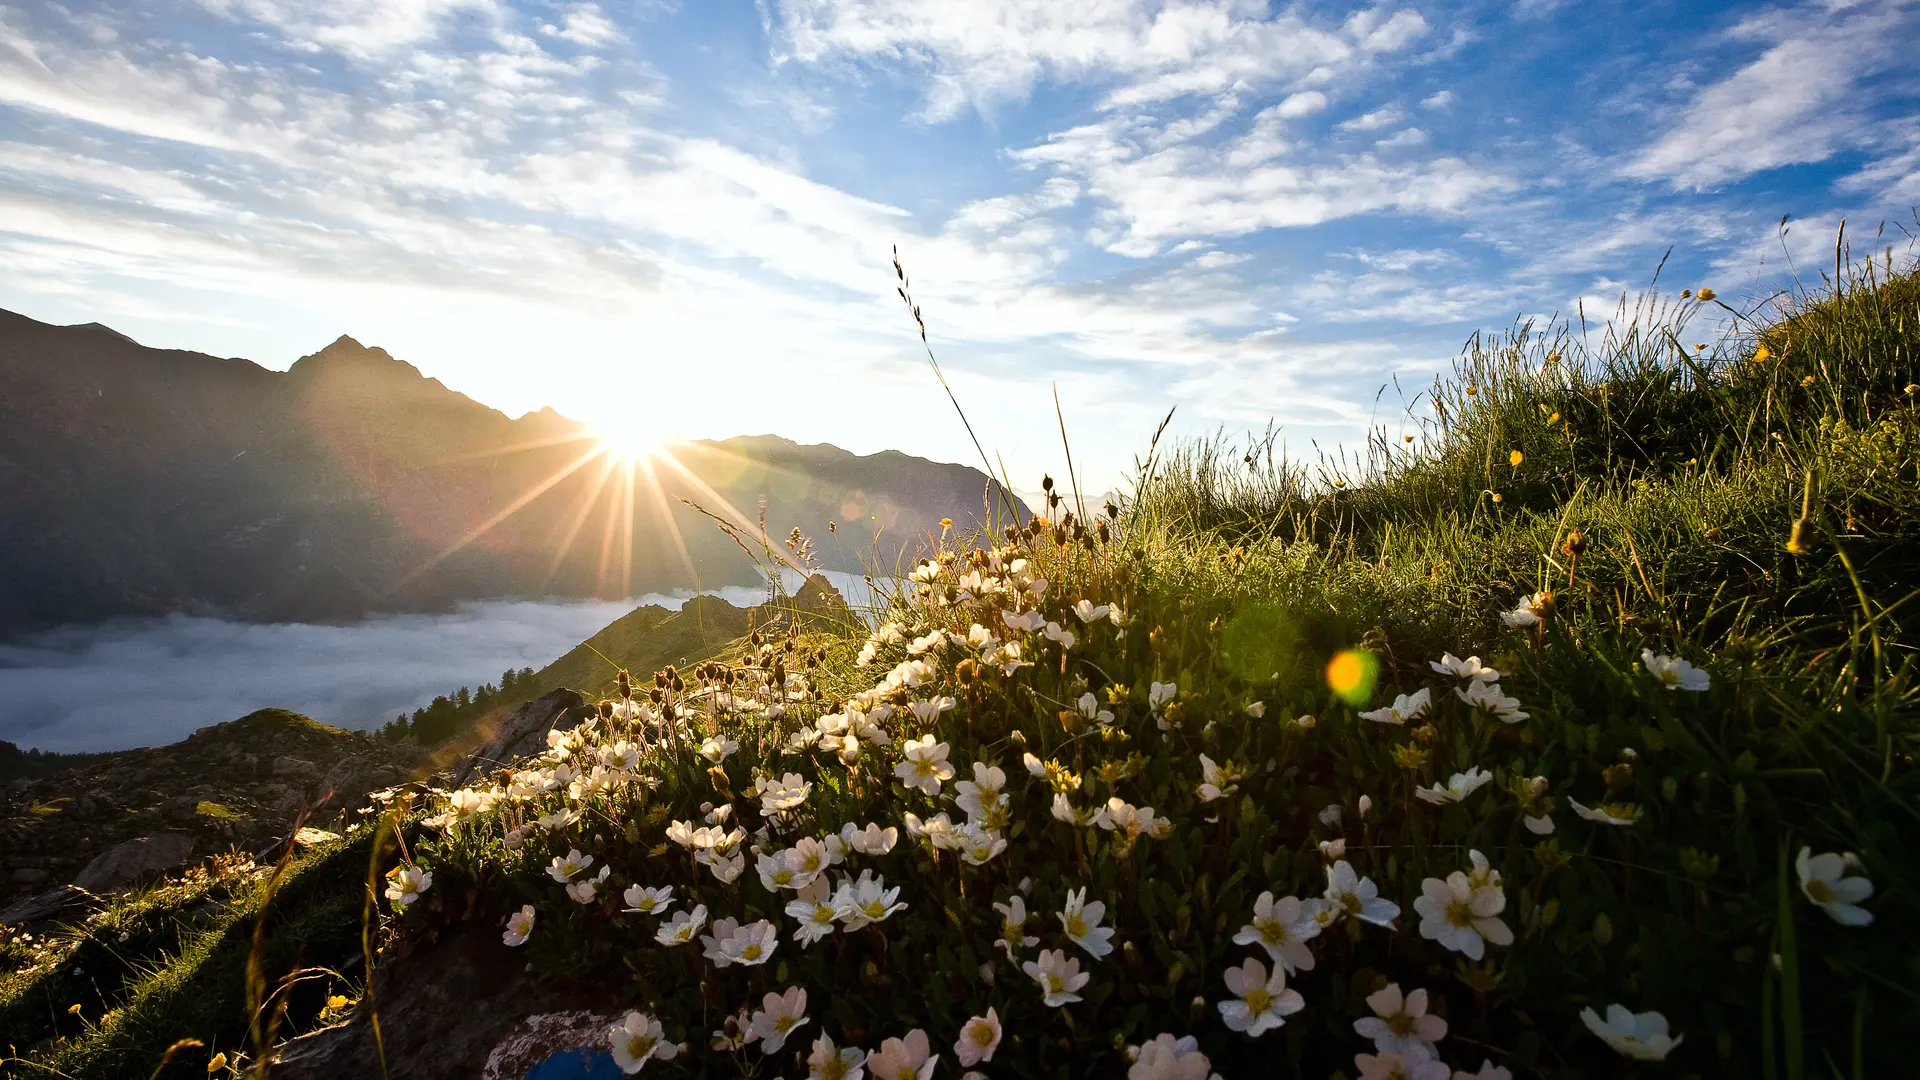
[136, 480]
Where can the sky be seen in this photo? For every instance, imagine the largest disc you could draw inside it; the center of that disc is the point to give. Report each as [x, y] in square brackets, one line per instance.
[679, 217]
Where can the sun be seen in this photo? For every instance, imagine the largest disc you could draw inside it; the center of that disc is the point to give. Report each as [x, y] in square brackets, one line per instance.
[627, 439]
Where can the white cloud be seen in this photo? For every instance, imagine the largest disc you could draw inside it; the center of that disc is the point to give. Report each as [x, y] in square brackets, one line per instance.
[1304, 103]
[1798, 101]
[1385, 116]
[1439, 100]
[587, 26]
[359, 28]
[1403, 138]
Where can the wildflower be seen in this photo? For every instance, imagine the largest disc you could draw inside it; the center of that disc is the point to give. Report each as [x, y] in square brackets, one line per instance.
[1279, 927]
[778, 1016]
[1305, 721]
[680, 929]
[1488, 1071]
[1090, 711]
[1359, 897]
[1330, 815]
[1538, 825]
[1131, 820]
[583, 890]
[1058, 976]
[936, 830]
[981, 796]
[1167, 1058]
[1823, 879]
[1607, 813]
[559, 819]
[1488, 698]
[1035, 767]
[1366, 806]
[904, 1059]
[1335, 848]
[1065, 811]
[1391, 1066]
[564, 867]
[1264, 1003]
[1400, 1024]
[638, 1039]
[718, 748]
[870, 840]
[1216, 781]
[406, 883]
[778, 871]
[1469, 669]
[748, 946]
[644, 901]
[1674, 673]
[924, 765]
[1081, 923]
[1089, 612]
[1530, 611]
[1405, 707]
[979, 1038]
[519, 926]
[1640, 1036]
[1483, 875]
[1013, 933]
[786, 793]
[1459, 786]
[866, 901]
[830, 1063]
[1160, 693]
[1056, 632]
[1027, 621]
[977, 844]
[1461, 917]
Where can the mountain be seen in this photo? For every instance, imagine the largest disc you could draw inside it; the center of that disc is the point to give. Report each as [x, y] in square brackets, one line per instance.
[136, 480]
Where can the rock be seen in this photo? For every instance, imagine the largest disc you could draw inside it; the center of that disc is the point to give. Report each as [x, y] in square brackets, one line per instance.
[28, 875]
[443, 1010]
[181, 809]
[135, 860]
[68, 902]
[298, 768]
[536, 1038]
[302, 837]
[523, 732]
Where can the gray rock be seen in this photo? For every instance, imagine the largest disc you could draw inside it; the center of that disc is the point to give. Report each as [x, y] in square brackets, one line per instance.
[536, 1038]
[298, 768]
[67, 902]
[524, 732]
[28, 875]
[135, 860]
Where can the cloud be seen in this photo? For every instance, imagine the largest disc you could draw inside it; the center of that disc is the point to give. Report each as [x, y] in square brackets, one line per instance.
[365, 29]
[587, 26]
[1385, 116]
[1437, 101]
[1800, 100]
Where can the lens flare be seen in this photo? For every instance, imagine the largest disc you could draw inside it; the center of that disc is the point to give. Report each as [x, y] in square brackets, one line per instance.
[1351, 674]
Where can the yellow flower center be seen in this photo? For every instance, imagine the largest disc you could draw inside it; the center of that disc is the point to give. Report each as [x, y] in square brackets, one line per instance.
[1076, 926]
[1055, 984]
[785, 1024]
[823, 915]
[1273, 932]
[981, 1034]
[1459, 913]
[1400, 1024]
[833, 1069]
[639, 1046]
[783, 877]
[751, 952]
[1258, 1000]
[923, 767]
[1820, 891]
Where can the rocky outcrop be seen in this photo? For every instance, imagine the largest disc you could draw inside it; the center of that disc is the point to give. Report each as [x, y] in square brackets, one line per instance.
[523, 732]
[134, 861]
[68, 903]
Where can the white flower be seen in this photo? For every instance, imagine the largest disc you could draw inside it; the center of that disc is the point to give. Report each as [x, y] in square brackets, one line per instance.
[981, 796]
[1090, 711]
[980, 637]
[870, 840]
[1056, 632]
[1216, 781]
[583, 890]
[637, 1039]
[1330, 815]
[1028, 621]
[929, 709]
[621, 756]
[1470, 668]
[1264, 1003]
[1058, 976]
[1366, 806]
[1081, 923]
[1256, 709]
[1461, 917]
[1167, 1058]
[717, 748]
[924, 765]
[1641, 1036]
[564, 867]
[748, 946]
[519, 926]
[936, 830]
[1823, 879]
[1538, 826]
[1160, 693]
[786, 793]
[467, 802]
[777, 1017]
[865, 901]
[1401, 1024]
[1279, 927]
[1088, 611]
[1013, 933]
[1483, 875]
[977, 844]
[1358, 896]
[680, 929]
[1335, 848]
[1405, 707]
[1674, 673]
[1608, 814]
[1459, 786]
[1488, 1071]
[979, 1038]
[816, 913]
[405, 885]
[644, 901]
[1529, 613]
[1487, 697]
[1391, 1066]
[1131, 820]
[904, 1059]
[830, 1063]
[559, 819]
[1034, 765]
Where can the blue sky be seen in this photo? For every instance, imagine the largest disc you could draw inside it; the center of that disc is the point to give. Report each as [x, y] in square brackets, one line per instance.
[678, 216]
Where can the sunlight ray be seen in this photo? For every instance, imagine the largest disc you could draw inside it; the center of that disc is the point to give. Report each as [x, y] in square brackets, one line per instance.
[506, 512]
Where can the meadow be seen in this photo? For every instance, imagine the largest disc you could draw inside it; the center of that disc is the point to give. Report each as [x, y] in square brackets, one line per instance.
[1568, 732]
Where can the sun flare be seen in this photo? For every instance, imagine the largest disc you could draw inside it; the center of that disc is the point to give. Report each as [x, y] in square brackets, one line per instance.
[627, 440]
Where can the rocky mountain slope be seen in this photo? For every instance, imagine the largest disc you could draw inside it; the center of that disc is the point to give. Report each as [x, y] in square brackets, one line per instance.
[137, 480]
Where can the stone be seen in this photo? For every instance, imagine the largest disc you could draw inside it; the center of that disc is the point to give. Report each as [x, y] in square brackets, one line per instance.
[523, 732]
[538, 1037]
[67, 902]
[28, 875]
[135, 861]
[299, 768]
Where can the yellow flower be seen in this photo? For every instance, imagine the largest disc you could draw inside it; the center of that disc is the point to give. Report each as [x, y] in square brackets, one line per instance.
[1808, 381]
[1497, 497]
[1515, 457]
[1762, 354]
[1554, 419]
[216, 1063]
[1704, 295]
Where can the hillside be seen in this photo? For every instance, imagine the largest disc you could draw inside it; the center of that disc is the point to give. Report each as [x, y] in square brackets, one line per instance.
[137, 480]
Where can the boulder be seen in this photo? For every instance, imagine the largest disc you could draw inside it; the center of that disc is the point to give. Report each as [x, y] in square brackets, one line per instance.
[68, 903]
[539, 1037]
[134, 861]
[523, 732]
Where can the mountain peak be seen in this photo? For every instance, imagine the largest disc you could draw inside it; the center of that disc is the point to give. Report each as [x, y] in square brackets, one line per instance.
[345, 351]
